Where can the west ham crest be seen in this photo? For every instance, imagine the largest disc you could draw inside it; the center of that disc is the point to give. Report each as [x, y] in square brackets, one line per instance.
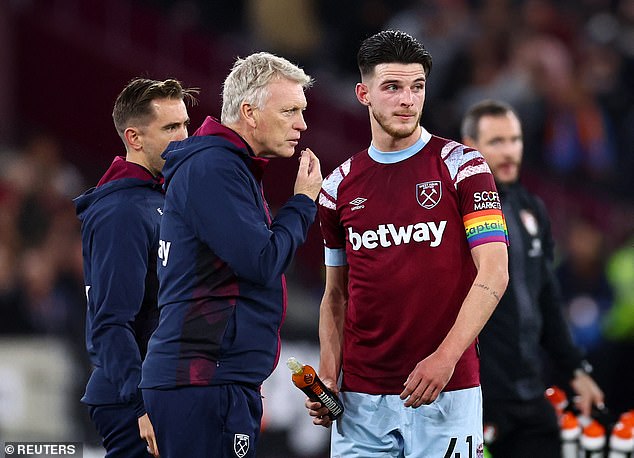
[530, 222]
[241, 445]
[428, 194]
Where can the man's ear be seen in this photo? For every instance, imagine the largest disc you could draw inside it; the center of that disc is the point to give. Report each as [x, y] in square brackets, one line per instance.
[362, 94]
[249, 114]
[133, 138]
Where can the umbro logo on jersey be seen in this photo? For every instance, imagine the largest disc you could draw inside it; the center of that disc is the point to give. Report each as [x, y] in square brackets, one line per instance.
[357, 203]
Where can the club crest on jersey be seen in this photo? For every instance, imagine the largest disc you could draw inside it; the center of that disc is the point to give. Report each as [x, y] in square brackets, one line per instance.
[241, 445]
[428, 194]
[530, 222]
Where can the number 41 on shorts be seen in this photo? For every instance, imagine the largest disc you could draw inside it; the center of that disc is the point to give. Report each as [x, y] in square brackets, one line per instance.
[452, 447]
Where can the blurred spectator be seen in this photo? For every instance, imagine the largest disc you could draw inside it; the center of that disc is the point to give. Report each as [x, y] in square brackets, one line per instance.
[286, 27]
[577, 137]
[619, 323]
[346, 24]
[13, 315]
[41, 279]
[584, 284]
[607, 69]
[39, 235]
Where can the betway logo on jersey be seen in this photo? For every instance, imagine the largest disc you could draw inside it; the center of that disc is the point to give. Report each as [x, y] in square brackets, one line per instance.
[486, 200]
[387, 235]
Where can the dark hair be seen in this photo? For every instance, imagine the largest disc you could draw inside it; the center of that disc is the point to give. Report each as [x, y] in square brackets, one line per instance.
[133, 105]
[471, 119]
[391, 46]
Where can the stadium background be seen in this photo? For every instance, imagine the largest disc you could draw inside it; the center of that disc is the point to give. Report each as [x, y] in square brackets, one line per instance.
[568, 67]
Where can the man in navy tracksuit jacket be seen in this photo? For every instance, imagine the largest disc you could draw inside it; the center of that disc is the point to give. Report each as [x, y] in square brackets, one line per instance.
[120, 238]
[222, 256]
[120, 219]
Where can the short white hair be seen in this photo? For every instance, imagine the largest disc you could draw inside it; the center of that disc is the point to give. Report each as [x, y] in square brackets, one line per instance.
[249, 79]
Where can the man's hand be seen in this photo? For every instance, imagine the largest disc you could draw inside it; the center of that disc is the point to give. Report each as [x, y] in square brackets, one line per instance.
[309, 177]
[426, 381]
[588, 393]
[317, 409]
[146, 431]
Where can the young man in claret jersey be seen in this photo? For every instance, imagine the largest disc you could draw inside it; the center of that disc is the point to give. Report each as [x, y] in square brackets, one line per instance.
[416, 262]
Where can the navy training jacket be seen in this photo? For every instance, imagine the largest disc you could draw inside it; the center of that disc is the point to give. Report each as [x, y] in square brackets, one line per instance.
[222, 296]
[120, 221]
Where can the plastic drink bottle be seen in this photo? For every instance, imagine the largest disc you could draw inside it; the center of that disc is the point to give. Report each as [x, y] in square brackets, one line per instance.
[592, 442]
[557, 398]
[306, 379]
[621, 441]
[570, 432]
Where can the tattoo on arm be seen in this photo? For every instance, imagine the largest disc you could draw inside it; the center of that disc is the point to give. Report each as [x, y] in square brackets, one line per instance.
[486, 288]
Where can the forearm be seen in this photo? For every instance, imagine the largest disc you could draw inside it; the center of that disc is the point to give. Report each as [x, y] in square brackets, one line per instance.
[331, 318]
[477, 307]
[475, 312]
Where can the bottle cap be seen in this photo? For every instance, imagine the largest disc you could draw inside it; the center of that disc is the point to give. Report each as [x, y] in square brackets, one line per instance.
[569, 421]
[627, 418]
[570, 429]
[622, 431]
[594, 429]
[557, 398]
[295, 366]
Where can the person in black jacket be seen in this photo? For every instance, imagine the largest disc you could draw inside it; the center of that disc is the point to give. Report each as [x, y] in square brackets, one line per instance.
[120, 220]
[529, 320]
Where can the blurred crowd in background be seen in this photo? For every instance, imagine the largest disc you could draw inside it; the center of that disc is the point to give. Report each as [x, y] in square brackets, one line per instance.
[566, 66]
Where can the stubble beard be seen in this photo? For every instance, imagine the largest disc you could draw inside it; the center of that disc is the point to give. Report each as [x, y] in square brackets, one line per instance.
[395, 133]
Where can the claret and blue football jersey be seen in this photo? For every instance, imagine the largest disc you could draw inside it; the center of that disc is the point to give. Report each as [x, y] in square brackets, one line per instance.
[405, 223]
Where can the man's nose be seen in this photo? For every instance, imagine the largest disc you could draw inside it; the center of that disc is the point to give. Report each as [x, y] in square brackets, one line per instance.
[407, 98]
[300, 124]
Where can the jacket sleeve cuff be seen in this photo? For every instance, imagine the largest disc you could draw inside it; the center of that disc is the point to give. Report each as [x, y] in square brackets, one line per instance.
[303, 198]
[139, 406]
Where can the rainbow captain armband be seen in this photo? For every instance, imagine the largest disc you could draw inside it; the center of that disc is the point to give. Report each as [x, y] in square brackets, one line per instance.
[485, 226]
